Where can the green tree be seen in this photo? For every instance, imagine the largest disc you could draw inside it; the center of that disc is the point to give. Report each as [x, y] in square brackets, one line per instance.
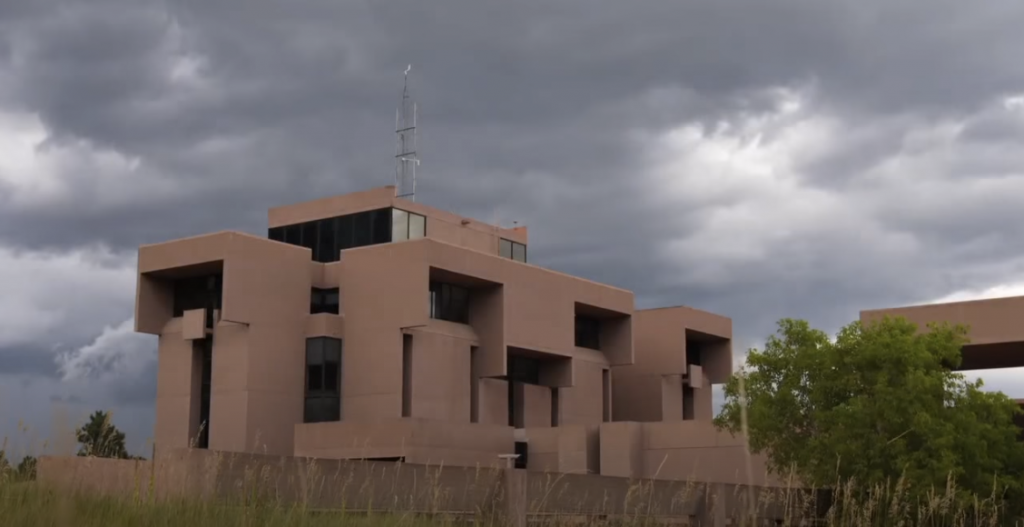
[100, 438]
[876, 404]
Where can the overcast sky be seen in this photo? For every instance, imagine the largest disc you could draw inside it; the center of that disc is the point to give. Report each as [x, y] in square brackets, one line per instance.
[791, 158]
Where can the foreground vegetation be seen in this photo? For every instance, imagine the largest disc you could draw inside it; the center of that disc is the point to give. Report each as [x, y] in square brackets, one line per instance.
[880, 406]
[28, 504]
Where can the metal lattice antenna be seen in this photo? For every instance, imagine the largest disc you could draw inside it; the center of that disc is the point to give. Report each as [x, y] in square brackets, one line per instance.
[405, 127]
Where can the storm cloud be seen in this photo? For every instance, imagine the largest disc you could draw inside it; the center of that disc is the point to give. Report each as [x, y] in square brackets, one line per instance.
[761, 160]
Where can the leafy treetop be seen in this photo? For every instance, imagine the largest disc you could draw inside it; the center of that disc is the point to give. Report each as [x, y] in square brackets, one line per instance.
[876, 404]
[100, 438]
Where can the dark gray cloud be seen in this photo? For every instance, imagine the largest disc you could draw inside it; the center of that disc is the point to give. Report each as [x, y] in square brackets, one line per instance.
[756, 159]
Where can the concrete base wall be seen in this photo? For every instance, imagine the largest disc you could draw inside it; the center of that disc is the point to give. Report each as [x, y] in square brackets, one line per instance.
[418, 441]
[681, 450]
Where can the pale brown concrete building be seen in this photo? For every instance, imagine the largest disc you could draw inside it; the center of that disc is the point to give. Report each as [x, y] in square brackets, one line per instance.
[371, 327]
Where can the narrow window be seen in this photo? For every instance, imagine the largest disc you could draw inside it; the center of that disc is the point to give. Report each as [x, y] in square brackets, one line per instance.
[554, 406]
[293, 234]
[406, 375]
[399, 225]
[688, 413]
[344, 233]
[588, 332]
[381, 220]
[474, 386]
[519, 252]
[310, 237]
[205, 350]
[417, 226]
[505, 248]
[327, 246]
[606, 395]
[323, 380]
[362, 229]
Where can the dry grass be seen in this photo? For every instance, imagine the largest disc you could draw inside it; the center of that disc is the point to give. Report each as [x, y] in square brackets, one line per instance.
[258, 500]
[253, 490]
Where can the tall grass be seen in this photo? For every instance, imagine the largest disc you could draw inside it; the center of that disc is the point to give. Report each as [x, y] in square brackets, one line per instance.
[271, 492]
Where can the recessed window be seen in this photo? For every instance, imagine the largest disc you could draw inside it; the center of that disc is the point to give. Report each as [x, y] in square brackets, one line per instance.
[523, 369]
[200, 292]
[407, 225]
[588, 332]
[513, 250]
[449, 302]
[323, 380]
[324, 301]
[688, 403]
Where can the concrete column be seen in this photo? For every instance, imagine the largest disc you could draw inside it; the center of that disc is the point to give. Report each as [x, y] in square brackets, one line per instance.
[514, 485]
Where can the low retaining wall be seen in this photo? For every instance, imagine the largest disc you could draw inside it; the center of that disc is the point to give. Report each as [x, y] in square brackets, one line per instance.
[403, 487]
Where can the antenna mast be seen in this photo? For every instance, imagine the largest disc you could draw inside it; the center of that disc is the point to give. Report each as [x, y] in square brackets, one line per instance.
[405, 127]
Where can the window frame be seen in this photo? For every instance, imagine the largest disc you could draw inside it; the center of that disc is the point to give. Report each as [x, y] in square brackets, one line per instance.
[441, 302]
[402, 225]
[588, 332]
[508, 249]
[319, 301]
[330, 352]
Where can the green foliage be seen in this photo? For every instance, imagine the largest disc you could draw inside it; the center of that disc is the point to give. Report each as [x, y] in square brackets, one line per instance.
[878, 406]
[100, 438]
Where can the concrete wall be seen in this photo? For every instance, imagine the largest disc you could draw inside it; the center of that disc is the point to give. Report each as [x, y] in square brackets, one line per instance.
[652, 387]
[391, 487]
[681, 451]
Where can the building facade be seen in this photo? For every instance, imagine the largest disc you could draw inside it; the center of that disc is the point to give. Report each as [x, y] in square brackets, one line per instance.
[365, 326]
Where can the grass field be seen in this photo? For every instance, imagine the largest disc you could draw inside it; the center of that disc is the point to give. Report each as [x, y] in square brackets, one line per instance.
[27, 503]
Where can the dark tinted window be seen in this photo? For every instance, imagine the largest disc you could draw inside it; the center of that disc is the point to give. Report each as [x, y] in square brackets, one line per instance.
[323, 379]
[309, 236]
[362, 225]
[344, 233]
[293, 234]
[381, 220]
[328, 237]
[324, 301]
[449, 302]
[200, 292]
[588, 332]
[523, 369]
[327, 247]
[505, 248]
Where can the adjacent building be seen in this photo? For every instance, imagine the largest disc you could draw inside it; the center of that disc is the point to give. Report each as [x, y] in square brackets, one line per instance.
[995, 331]
[365, 326]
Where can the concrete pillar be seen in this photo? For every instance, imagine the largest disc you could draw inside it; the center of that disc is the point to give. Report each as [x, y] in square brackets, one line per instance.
[514, 485]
